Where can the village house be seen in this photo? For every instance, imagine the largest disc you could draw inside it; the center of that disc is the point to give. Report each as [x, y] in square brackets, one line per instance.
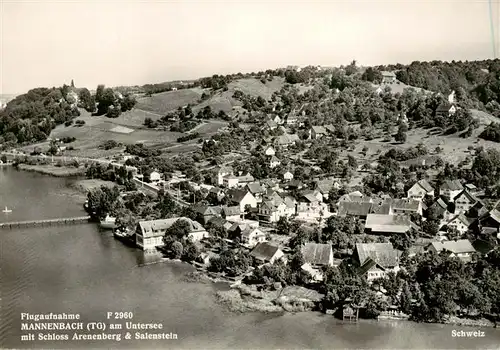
[273, 210]
[154, 177]
[324, 186]
[316, 132]
[250, 237]
[286, 140]
[464, 201]
[310, 207]
[274, 162]
[316, 257]
[230, 181]
[242, 198]
[406, 206]
[450, 189]
[460, 223]
[271, 124]
[356, 209]
[270, 151]
[220, 223]
[490, 222]
[287, 176]
[218, 192]
[207, 212]
[387, 224]
[446, 109]
[221, 172]
[440, 207]
[461, 248]
[292, 118]
[277, 120]
[245, 179]
[376, 259]
[267, 253]
[270, 184]
[232, 214]
[420, 189]
[257, 190]
[149, 234]
[388, 77]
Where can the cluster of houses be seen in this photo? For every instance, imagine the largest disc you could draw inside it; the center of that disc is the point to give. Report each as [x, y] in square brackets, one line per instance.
[459, 207]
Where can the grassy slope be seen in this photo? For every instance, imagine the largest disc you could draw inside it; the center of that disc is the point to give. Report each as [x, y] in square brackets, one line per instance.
[167, 101]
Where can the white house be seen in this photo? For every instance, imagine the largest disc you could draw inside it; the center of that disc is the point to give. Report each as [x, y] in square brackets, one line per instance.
[464, 201]
[155, 177]
[250, 237]
[288, 176]
[230, 181]
[267, 253]
[242, 198]
[221, 172]
[376, 259]
[274, 162]
[450, 189]
[420, 189]
[388, 77]
[149, 234]
[460, 223]
[270, 151]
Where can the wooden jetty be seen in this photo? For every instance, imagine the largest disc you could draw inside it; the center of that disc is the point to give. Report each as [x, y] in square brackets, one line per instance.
[45, 222]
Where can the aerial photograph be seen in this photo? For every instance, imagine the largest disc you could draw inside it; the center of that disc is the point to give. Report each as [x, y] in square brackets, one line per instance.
[244, 174]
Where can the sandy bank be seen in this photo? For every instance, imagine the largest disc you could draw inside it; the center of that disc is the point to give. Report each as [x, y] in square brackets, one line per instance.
[53, 170]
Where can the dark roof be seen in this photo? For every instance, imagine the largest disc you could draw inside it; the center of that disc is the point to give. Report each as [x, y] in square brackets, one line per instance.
[236, 195]
[452, 185]
[380, 209]
[207, 210]
[382, 253]
[367, 265]
[264, 251]
[404, 204]
[217, 221]
[444, 107]
[317, 254]
[354, 208]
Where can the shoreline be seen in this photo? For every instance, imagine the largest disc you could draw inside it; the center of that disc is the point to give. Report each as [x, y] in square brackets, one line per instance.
[52, 170]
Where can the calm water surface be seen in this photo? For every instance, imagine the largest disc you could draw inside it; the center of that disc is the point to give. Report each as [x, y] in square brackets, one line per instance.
[78, 269]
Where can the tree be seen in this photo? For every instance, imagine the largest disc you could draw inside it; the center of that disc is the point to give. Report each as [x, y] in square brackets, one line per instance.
[190, 251]
[86, 101]
[99, 92]
[351, 161]
[283, 226]
[177, 249]
[72, 83]
[401, 134]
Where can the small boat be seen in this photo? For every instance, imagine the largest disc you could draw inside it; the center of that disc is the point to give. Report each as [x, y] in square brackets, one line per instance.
[7, 210]
[108, 223]
[124, 236]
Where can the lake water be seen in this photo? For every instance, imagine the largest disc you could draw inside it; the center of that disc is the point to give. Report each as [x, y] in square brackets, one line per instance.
[78, 269]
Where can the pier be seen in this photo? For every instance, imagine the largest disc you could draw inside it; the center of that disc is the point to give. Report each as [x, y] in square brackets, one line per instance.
[45, 222]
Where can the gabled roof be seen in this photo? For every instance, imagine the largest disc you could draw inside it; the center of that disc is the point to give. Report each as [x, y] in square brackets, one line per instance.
[367, 266]
[317, 254]
[440, 204]
[426, 186]
[255, 187]
[330, 128]
[382, 253]
[387, 223]
[493, 214]
[388, 74]
[467, 195]
[462, 218]
[274, 159]
[248, 231]
[384, 208]
[271, 123]
[150, 226]
[404, 204]
[207, 210]
[237, 195]
[452, 185]
[215, 190]
[354, 208]
[231, 211]
[246, 178]
[264, 251]
[218, 221]
[444, 107]
[457, 247]
[309, 197]
[318, 129]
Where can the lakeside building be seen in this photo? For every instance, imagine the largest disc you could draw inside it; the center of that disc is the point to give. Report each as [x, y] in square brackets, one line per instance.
[149, 234]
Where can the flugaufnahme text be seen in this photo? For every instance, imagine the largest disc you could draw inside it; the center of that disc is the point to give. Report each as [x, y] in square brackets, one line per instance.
[25, 316]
